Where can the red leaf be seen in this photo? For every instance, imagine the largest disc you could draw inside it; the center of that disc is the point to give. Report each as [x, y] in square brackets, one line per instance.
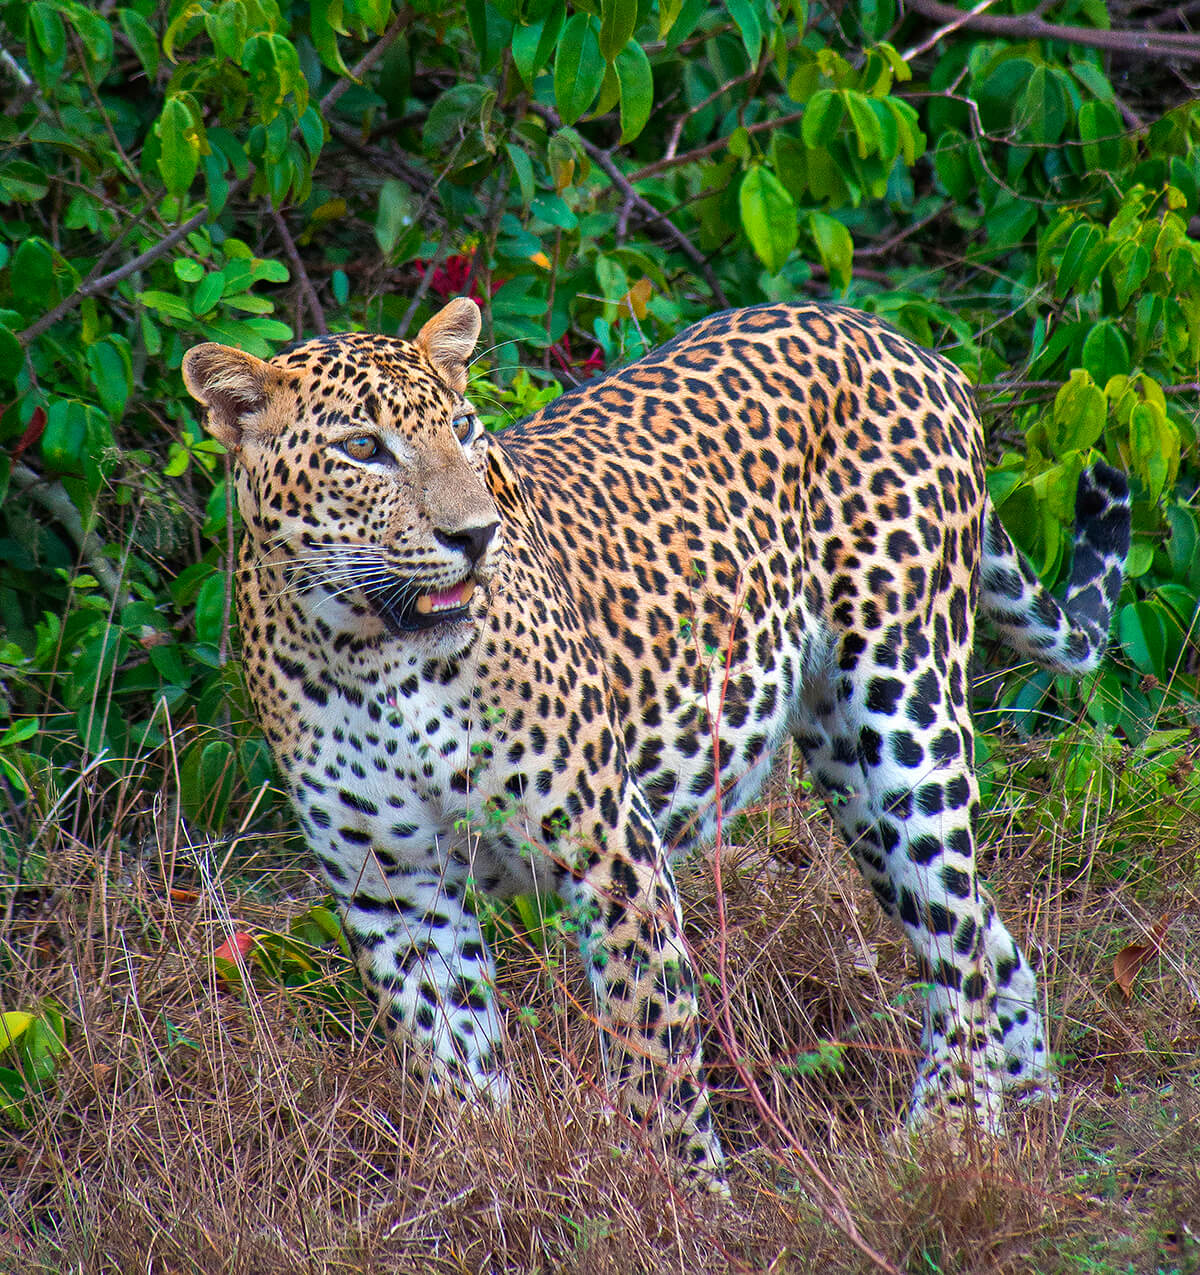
[235, 948]
[1128, 962]
[33, 431]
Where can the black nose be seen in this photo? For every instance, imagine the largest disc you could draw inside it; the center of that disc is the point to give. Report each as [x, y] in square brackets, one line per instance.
[470, 540]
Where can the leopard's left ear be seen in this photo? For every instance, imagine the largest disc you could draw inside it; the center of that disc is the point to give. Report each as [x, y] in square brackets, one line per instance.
[448, 340]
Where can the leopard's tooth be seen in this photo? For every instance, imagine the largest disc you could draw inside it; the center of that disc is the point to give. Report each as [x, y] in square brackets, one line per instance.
[424, 604]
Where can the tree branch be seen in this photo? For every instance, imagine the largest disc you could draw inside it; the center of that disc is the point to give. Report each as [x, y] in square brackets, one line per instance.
[55, 501]
[1028, 26]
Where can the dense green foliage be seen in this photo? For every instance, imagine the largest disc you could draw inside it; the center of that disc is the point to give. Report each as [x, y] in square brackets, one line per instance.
[250, 171]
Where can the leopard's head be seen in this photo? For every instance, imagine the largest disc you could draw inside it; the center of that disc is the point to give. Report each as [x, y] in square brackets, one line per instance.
[361, 475]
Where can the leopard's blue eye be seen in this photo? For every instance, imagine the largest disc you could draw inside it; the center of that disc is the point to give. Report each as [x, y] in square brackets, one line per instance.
[363, 447]
[465, 426]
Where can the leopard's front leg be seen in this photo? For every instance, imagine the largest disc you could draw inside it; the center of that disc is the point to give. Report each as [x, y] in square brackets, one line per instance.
[631, 941]
[423, 958]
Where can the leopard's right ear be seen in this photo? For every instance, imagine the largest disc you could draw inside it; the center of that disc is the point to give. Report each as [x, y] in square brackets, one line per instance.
[234, 386]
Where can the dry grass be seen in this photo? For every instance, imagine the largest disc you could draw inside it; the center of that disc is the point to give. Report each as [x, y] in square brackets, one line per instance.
[192, 1129]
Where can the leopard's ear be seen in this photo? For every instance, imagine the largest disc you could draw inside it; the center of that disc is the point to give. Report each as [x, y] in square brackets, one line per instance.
[233, 385]
[448, 340]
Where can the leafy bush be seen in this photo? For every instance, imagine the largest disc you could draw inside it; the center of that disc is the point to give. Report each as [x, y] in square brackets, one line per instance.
[598, 174]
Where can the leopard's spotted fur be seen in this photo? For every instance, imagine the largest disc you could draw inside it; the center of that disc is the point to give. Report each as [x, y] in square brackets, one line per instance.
[774, 525]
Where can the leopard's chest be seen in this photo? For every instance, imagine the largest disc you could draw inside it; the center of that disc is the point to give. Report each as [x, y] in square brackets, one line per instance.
[397, 778]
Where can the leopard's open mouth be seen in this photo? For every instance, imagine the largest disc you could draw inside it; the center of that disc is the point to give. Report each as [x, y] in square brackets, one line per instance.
[425, 610]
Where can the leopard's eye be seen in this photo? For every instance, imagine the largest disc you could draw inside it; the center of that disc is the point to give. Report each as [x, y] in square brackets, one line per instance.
[465, 426]
[363, 447]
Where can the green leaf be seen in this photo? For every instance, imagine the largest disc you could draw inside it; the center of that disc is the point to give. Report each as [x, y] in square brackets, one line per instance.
[210, 609]
[768, 217]
[578, 68]
[532, 45]
[95, 35]
[822, 118]
[111, 365]
[13, 1025]
[207, 778]
[491, 30]
[617, 21]
[834, 246]
[1106, 352]
[47, 29]
[1152, 440]
[523, 169]
[394, 216]
[325, 24]
[141, 36]
[1129, 270]
[637, 90]
[1185, 604]
[1183, 544]
[1103, 134]
[1042, 107]
[866, 124]
[1084, 239]
[65, 436]
[22, 182]
[461, 118]
[953, 167]
[1143, 633]
[1080, 410]
[208, 293]
[746, 18]
[179, 154]
[12, 356]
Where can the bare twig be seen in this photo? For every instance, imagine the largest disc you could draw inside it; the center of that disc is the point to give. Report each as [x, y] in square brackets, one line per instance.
[423, 287]
[1028, 26]
[1016, 387]
[306, 287]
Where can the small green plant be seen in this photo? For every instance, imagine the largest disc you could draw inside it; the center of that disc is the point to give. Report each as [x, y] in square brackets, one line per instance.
[32, 1042]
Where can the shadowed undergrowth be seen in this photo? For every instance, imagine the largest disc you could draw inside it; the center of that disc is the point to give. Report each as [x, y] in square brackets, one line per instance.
[193, 1125]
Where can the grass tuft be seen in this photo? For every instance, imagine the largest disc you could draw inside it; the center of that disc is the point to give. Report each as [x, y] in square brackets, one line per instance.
[196, 1127]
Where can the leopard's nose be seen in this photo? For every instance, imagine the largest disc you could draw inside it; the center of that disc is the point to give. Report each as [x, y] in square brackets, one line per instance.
[471, 541]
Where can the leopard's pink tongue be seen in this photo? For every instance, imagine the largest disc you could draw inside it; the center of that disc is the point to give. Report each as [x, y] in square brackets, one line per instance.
[447, 600]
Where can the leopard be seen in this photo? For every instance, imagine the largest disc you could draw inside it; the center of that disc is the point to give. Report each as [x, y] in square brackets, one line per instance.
[549, 657]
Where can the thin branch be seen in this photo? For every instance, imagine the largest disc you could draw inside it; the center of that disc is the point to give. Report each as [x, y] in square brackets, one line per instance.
[949, 29]
[1019, 387]
[367, 61]
[710, 148]
[388, 161]
[1028, 26]
[306, 287]
[625, 185]
[439, 252]
[101, 283]
[55, 501]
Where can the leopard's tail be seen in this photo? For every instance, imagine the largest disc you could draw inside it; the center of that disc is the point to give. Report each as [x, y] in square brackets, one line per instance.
[1070, 636]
